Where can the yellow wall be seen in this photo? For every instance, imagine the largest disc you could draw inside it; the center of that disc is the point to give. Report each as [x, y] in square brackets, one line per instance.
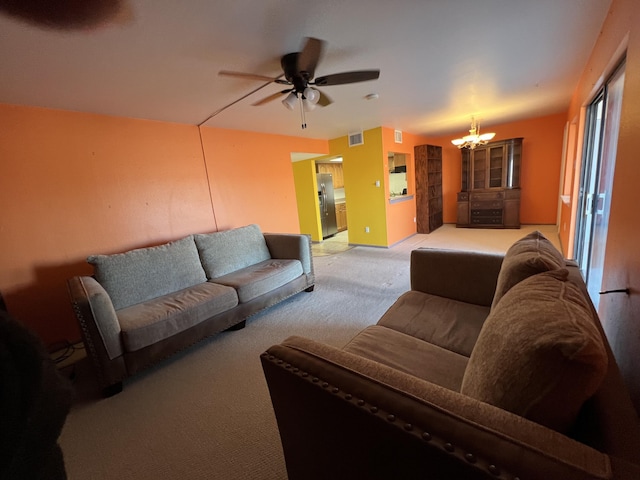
[363, 166]
[620, 313]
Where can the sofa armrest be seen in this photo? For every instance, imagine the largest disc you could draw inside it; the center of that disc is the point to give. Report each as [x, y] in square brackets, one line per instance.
[293, 246]
[362, 419]
[99, 327]
[469, 277]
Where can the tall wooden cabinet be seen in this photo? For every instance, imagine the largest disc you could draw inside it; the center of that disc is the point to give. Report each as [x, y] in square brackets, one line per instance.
[490, 192]
[428, 162]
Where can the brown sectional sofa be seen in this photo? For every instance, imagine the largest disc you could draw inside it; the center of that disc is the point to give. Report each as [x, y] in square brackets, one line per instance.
[492, 366]
[146, 304]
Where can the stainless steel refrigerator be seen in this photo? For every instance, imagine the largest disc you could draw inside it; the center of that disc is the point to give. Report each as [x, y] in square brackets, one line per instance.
[327, 205]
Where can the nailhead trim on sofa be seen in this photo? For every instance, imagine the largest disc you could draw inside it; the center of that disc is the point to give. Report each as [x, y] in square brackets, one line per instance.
[408, 427]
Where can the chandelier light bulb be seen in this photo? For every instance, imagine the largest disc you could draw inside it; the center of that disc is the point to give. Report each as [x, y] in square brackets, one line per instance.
[487, 136]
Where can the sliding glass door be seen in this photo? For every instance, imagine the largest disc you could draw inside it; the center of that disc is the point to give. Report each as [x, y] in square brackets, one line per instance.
[596, 181]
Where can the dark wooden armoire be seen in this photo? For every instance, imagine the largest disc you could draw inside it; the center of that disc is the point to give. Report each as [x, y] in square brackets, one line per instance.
[428, 161]
[490, 192]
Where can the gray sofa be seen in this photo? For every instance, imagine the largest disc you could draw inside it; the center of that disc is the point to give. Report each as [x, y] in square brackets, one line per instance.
[490, 367]
[143, 305]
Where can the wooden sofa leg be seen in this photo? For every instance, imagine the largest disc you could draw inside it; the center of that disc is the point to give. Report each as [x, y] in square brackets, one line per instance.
[237, 326]
[112, 390]
[309, 289]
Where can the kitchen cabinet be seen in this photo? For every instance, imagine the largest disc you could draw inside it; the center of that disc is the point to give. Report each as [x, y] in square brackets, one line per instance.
[490, 191]
[341, 216]
[428, 159]
[335, 169]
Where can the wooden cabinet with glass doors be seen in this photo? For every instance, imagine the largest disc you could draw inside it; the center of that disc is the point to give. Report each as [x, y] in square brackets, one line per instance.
[490, 192]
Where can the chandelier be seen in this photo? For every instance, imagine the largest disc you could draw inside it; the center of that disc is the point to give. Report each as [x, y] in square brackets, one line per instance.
[474, 138]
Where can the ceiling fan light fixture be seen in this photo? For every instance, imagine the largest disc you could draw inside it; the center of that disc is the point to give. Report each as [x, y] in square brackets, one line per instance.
[290, 101]
[311, 95]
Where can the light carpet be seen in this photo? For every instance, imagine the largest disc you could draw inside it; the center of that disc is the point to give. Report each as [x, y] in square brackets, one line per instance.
[206, 413]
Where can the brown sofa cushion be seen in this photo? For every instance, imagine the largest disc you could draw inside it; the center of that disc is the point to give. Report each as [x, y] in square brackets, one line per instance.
[448, 323]
[532, 254]
[410, 355]
[539, 353]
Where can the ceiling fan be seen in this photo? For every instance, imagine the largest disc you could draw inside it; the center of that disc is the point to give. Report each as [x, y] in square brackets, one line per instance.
[298, 72]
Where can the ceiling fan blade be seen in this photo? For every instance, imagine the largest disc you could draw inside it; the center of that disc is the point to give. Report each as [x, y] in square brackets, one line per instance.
[249, 76]
[271, 97]
[310, 55]
[222, 109]
[347, 77]
[68, 15]
[324, 100]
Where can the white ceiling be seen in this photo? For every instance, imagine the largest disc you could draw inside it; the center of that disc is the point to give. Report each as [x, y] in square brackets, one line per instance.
[441, 61]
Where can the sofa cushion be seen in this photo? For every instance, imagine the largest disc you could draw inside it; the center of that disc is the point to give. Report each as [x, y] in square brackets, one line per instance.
[532, 254]
[145, 273]
[450, 324]
[147, 323]
[539, 354]
[255, 280]
[409, 355]
[227, 251]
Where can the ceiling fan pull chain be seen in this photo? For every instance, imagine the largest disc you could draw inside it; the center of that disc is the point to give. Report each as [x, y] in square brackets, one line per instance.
[303, 119]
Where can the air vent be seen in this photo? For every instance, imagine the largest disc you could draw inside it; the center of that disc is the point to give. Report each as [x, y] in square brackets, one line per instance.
[356, 139]
[397, 135]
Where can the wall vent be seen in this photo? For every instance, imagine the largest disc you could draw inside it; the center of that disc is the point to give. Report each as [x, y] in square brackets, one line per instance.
[397, 135]
[356, 139]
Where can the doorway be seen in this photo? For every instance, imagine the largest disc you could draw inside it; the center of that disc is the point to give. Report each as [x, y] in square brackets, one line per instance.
[596, 180]
[331, 171]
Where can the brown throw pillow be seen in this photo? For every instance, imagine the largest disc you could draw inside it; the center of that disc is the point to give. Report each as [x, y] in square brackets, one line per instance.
[528, 256]
[539, 353]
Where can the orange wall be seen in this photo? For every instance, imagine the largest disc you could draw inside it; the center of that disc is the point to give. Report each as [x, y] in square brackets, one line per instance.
[400, 224]
[74, 184]
[541, 167]
[251, 177]
[620, 313]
